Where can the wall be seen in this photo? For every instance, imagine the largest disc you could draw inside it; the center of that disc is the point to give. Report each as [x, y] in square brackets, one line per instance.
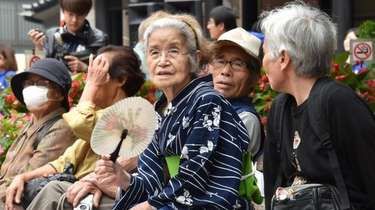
[13, 27]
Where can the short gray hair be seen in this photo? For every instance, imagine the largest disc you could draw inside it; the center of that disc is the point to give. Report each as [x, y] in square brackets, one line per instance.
[306, 33]
[186, 31]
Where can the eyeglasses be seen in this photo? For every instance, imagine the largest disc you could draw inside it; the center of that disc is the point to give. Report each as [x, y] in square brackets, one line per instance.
[171, 53]
[44, 83]
[236, 65]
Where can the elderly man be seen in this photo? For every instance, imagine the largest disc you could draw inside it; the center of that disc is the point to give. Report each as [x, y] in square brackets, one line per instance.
[235, 67]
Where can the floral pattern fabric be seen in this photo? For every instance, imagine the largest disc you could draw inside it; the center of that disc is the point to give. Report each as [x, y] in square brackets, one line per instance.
[201, 127]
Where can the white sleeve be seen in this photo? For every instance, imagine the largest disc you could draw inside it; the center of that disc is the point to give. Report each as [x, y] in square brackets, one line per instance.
[252, 125]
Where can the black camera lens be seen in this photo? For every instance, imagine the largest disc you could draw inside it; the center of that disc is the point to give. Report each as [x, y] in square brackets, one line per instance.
[83, 207]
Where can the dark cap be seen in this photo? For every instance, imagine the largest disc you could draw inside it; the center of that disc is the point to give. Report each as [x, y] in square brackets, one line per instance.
[48, 68]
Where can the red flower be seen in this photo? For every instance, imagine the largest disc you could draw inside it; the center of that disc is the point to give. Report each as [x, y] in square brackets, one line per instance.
[341, 77]
[264, 79]
[336, 68]
[371, 83]
[75, 84]
[9, 99]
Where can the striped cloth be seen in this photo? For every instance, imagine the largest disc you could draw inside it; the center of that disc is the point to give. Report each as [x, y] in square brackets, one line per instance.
[200, 126]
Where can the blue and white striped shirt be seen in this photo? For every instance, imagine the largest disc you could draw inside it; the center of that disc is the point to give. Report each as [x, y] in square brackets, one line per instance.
[201, 127]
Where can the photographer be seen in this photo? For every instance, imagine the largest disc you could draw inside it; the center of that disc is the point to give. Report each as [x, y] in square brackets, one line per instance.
[73, 42]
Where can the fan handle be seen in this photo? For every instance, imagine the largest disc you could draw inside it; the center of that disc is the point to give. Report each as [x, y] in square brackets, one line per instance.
[114, 155]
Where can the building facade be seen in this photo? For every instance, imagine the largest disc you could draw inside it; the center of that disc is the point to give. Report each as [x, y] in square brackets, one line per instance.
[121, 18]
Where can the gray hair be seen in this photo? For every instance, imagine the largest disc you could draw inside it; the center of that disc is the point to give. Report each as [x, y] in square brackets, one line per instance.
[186, 31]
[306, 33]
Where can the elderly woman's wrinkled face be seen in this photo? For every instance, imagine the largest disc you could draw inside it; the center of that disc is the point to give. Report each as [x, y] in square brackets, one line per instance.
[40, 93]
[231, 74]
[167, 60]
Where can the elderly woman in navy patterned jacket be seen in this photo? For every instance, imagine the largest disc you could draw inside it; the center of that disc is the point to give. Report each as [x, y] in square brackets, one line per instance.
[198, 128]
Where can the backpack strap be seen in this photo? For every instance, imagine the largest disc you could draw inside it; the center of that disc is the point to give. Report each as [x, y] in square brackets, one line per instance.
[41, 133]
[319, 123]
[244, 104]
[280, 105]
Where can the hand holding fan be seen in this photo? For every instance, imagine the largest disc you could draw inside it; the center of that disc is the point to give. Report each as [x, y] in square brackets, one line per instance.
[125, 128]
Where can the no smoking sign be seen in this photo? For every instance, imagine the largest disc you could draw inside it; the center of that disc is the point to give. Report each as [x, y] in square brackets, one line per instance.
[361, 50]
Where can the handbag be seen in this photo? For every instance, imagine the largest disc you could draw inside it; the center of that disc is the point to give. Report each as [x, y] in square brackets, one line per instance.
[313, 196]
[306, 197]
[34, 186]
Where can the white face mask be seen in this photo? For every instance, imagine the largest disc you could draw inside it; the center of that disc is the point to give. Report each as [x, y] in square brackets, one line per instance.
[35, 96]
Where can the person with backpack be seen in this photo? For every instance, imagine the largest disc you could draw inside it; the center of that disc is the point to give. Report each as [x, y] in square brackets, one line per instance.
[44, 90]
[235, 68]
[320, 146]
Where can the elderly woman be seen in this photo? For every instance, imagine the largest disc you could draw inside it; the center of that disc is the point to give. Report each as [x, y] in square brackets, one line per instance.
[197, 126]
[112, 76]
[8, 66]
[319, 131]
[44, 90]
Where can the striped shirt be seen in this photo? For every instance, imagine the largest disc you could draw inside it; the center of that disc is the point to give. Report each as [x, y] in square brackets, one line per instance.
[200, 126]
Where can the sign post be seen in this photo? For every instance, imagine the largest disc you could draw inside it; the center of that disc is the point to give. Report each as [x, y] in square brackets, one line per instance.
[361, 51]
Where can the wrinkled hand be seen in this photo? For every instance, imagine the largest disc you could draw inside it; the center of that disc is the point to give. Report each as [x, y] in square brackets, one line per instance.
[80, 189]
[38, 38]
[108, 188]
[14, 192]
[108, 172]
[128, 164]
[97, 73]
[142, 206]
[75, 65]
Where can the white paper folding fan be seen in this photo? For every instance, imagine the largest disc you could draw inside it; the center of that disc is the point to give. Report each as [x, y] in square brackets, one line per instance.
[133, 118]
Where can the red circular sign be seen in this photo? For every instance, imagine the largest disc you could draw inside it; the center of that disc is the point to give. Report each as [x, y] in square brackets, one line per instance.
[362, 51]
[33, 59]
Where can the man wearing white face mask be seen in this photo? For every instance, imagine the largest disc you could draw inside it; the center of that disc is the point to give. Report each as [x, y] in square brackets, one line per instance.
[44, 90]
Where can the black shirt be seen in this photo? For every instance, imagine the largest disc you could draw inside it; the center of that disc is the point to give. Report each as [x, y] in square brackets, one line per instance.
[352, 131]
[308, 159]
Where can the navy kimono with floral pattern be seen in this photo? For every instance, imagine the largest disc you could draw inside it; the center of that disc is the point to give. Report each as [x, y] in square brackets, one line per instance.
[200, 126]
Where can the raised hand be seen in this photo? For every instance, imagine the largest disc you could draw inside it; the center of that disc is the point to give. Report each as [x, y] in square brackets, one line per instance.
[37, 37]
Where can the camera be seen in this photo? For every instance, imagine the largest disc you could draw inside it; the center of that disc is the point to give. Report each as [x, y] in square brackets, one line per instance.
[38, 30]
[86, 203]
[61, 49]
